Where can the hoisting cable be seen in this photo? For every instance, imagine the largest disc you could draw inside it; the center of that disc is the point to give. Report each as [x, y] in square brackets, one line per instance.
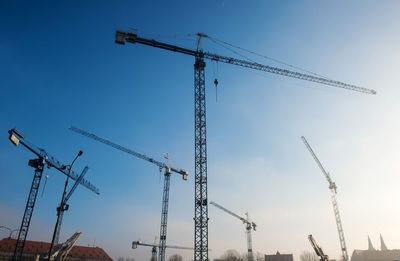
[265, 57]
[215, 71]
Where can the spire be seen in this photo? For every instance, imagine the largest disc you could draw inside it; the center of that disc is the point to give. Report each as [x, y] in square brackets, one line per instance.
[370, 246]
[383, 245]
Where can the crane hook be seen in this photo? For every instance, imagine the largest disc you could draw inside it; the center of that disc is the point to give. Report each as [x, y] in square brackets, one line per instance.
[216, 89]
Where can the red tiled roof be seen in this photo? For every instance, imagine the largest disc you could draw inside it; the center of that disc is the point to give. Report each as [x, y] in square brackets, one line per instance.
[36, 247]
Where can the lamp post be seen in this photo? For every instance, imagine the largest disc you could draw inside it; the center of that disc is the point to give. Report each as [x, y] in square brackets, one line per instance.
[62, 204]
[10, 230]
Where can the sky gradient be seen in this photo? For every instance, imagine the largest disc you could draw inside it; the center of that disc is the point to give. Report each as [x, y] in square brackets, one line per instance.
[60, 66]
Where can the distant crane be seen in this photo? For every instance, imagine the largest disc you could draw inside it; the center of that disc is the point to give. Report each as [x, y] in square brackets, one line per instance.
[65, 205]
[332, 187]
[43, 159]
[318, 249]
[200, 137]
[154, 248]
[167, 176]
[249, 225]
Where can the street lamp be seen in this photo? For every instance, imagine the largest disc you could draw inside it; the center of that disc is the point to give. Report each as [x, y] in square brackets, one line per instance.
[62, 204]
[10, 230]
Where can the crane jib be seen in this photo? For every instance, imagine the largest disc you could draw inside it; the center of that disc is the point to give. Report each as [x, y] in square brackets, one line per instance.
[121, 37]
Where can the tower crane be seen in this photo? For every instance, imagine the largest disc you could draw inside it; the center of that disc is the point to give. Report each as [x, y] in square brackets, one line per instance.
[44, 159]
[332, 188]
[200, 137]
[318, 249]
[167, 175]
[249, 225]
[154, 248]
[65, 205]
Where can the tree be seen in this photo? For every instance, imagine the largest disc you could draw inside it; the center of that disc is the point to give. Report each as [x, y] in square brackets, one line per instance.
[175, 257]
[121, 259]
[231, 255]
[308, 256]
[259, 257]
[256, 256]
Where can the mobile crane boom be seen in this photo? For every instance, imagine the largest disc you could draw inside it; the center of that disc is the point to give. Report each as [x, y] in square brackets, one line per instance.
[318, 250]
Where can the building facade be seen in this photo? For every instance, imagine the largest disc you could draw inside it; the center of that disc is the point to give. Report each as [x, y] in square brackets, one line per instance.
[279, 257]
[33, 249]
[371, 254]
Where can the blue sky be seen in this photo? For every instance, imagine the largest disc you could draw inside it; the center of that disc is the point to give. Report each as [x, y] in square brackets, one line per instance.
[60, 67]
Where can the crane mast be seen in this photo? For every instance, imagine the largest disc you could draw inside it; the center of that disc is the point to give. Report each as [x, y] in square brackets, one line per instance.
[167, 177]
[43, 159]
[200, 144]
[249, 225]
[332, 188]
[65, 205]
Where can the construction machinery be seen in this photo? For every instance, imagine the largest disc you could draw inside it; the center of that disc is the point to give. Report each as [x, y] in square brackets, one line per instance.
[65, 206]
[200, 200]
[332, 188]
[154, 248]
[167, 175]
[249, 226]
[44, 159]
[318, 249]
[62, 252]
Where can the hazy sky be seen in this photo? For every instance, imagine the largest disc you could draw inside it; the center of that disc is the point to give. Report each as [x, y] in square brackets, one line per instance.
[60, 66]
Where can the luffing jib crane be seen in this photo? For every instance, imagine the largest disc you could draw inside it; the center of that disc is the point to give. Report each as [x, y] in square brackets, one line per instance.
[249, 226]
[200, 147]
[332, 188]
[65, 205]
[44, 159]
[167, 176]
[318, 249]
[154, 248]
